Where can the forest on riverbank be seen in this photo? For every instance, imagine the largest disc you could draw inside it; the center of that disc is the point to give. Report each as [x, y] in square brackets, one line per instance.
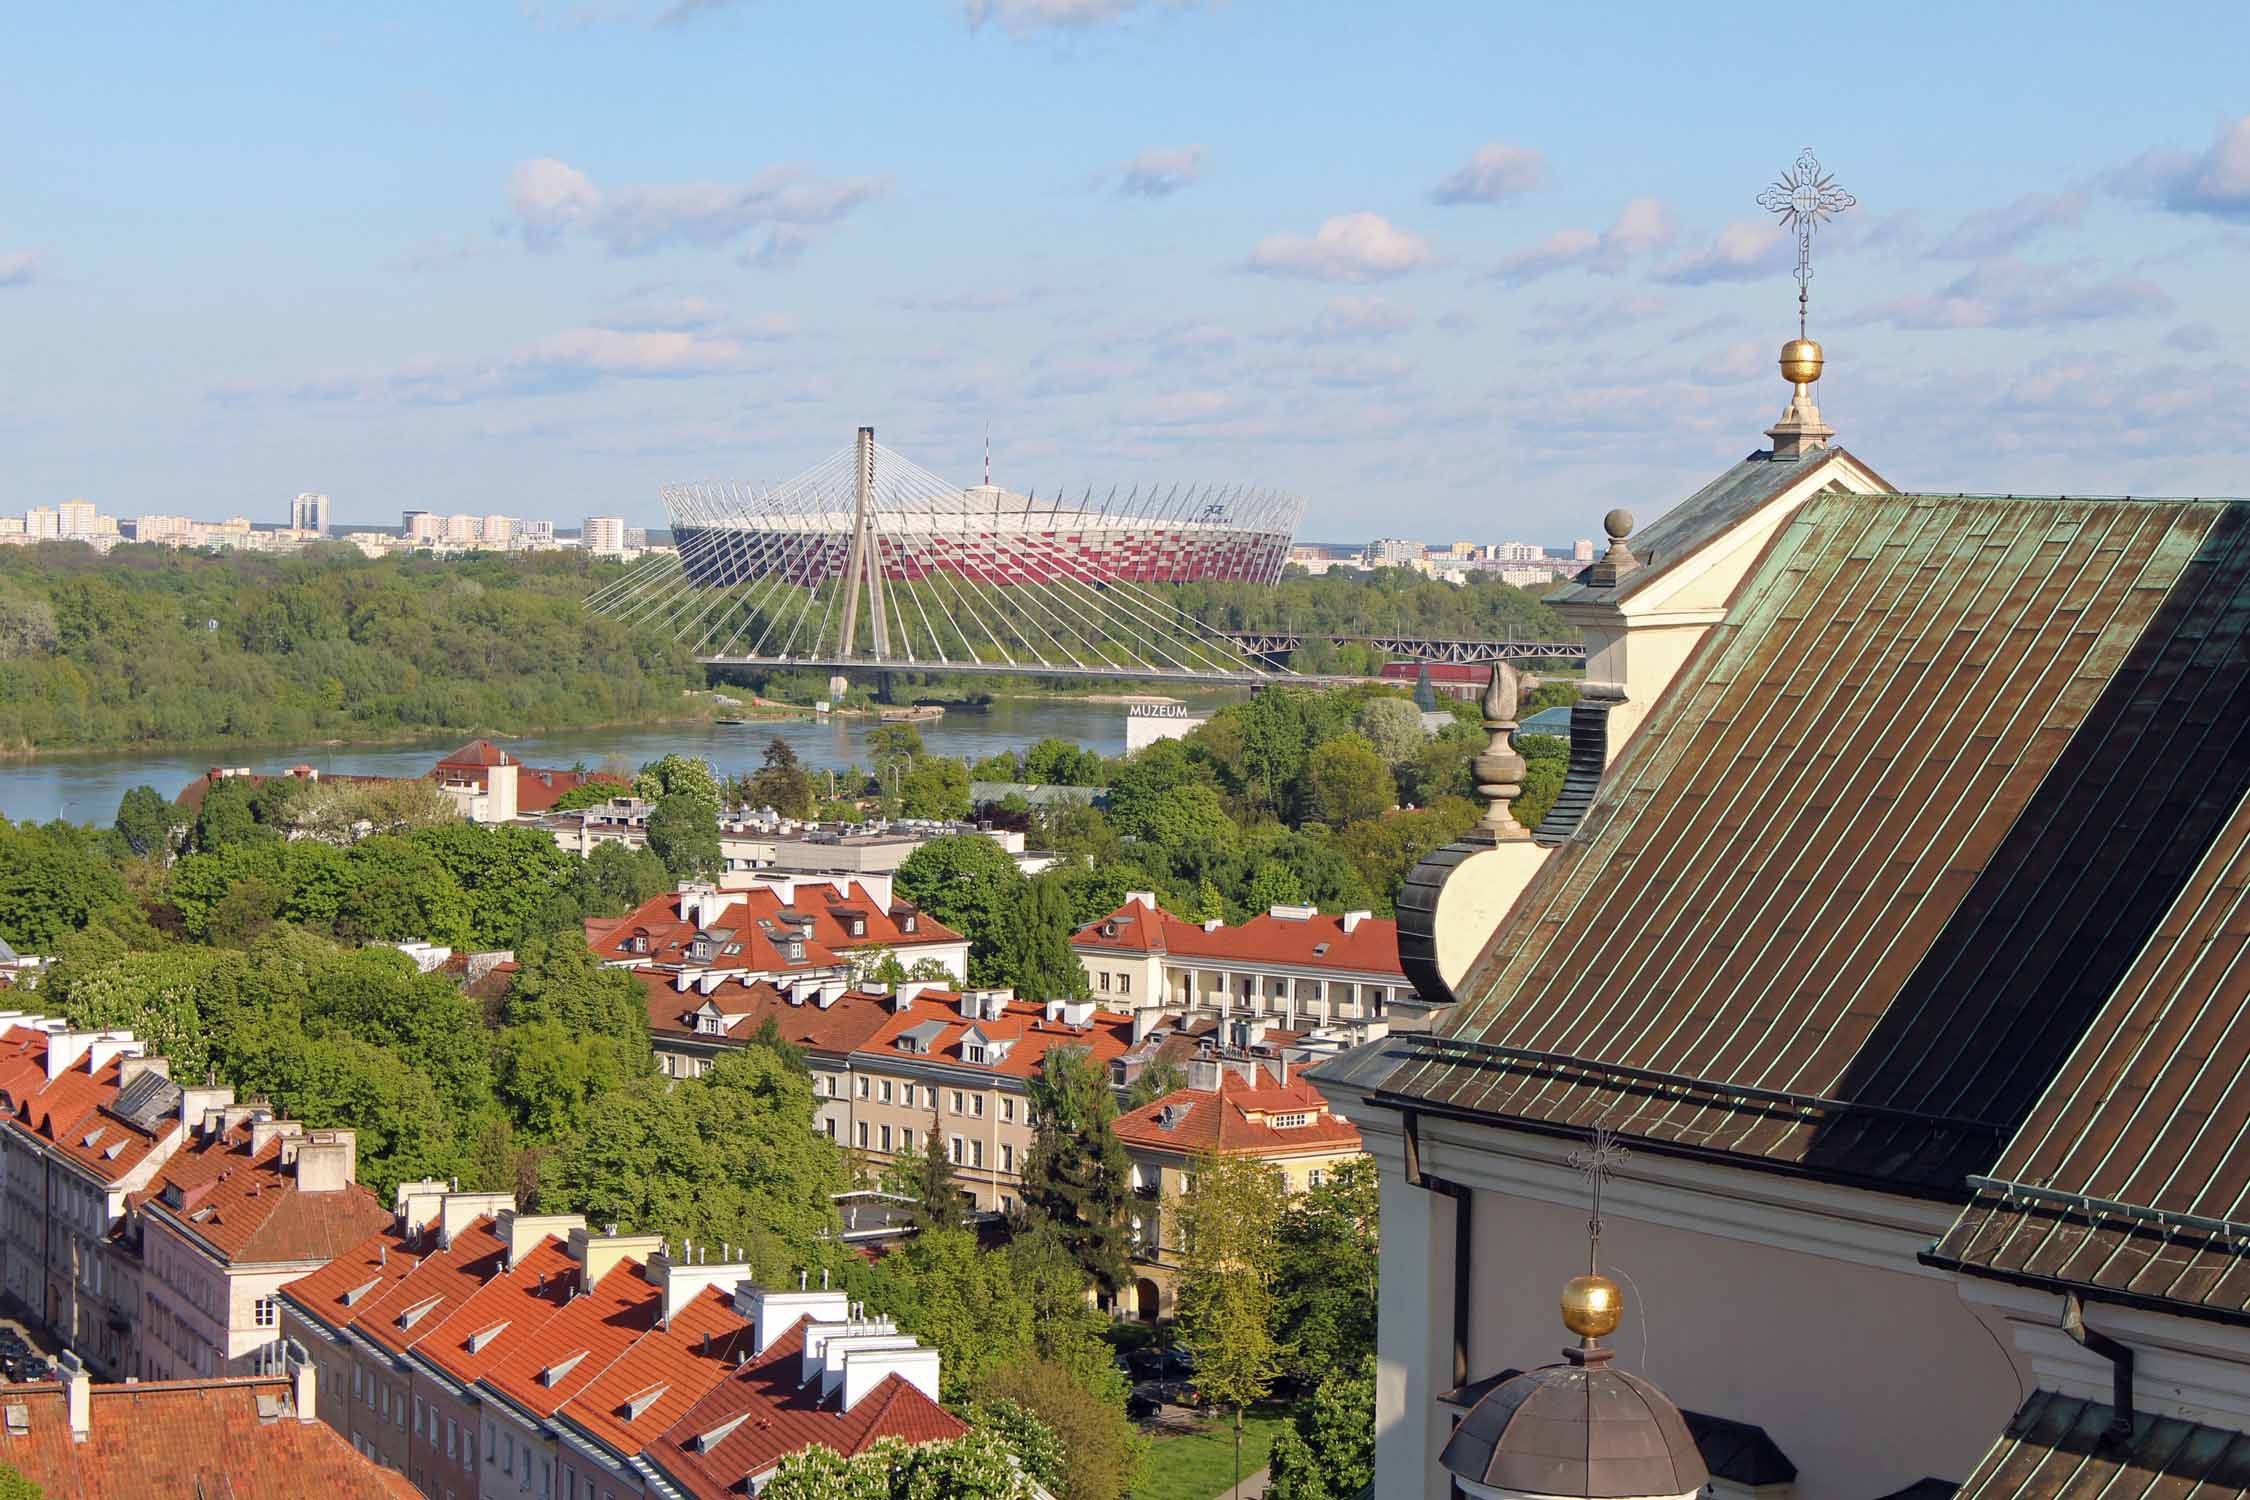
[152, 645]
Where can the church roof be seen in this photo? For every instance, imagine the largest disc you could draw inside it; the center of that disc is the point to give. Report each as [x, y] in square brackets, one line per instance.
[2055, 1450]
[1870, 869]
[2129, 1173]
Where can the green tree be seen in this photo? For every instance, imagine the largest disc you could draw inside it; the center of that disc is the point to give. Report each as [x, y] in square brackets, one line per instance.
[1230, 1225]
[969, 883]
[1145, 782]
[1392, 727]
[158, 994]
[675, 776]
[1060, 762]
[1191, 824]
[1384, 849]
[1158, 1076]
[1328, 1450]
[683, 832]
[892, 749]
[782, 783]
[225, 817]
[508, 875]
[967, 1304]
[1273, 884]
[1029, 1438]
[591, 794]
[400, 892]
[1040, 964]
[1326, 1261]
[147, 821]
[53, 880]
[13, 1486]
[615, 878]
[935, 787]
[729, 1157]
[1101, 1451]
[1346, 781]
[927, 1177]
[1076, 1177]
[977, 1466]
[559, 979]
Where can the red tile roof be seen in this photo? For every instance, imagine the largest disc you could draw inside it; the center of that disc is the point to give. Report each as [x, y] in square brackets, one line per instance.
[70, 1113]
[537, 789]
[1022, 1026]
[515, 1304]
[848, 1023]
[1317, 941]
[246, 1206]
[785, 1417]
[562, 1356]
[424, 1298]
[753, 920]
[187, 1438]
[687, 1357]
[1235, 1119]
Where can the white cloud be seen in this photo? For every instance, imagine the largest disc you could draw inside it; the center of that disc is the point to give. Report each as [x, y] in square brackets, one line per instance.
[1642, 225]
[2215, 184]
[19, 267]
[1349, 319]
[1348, 247]
[781, 208]
[1188, 409]
[1493, 173]
[1745, 250]
[2011, 294]
[588, 352]
[1554, 321]
[1022, 18]
[1160, 171]
[1996, 231]
[574, 357]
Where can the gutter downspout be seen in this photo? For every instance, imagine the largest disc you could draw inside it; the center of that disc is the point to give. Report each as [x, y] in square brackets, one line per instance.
[2120, 1357]
[1463, 1221]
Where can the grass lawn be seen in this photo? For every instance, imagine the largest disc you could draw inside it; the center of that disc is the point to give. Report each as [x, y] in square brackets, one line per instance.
[1197, 1466]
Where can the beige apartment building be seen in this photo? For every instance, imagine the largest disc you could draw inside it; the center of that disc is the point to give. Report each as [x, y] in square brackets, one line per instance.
[1235, 1104]
[1293, 966]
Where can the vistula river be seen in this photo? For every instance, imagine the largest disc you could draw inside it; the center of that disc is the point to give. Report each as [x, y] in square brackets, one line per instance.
[85, 788]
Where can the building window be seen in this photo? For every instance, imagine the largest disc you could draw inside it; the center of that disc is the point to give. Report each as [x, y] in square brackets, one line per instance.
[957, 1101]
[863, 1087]
[1124, 984]
[906, 1138]
[1007, 1157]
[886, 1091]
[886, 1137]
[976, 1105]
[971, 1052]
[1315, 1177]
[1007, 1111]
[953, 1150]
[863, 1135]
[1105, 981]
[830, 1127]
[1290, 1122]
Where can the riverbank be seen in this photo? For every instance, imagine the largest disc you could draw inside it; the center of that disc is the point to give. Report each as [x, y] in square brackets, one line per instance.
[228, 749]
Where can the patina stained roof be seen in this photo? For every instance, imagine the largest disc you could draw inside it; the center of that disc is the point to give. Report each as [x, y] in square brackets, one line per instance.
[1871, 867]
[1709, 513]
[2132, 1172]
[2054, 1450]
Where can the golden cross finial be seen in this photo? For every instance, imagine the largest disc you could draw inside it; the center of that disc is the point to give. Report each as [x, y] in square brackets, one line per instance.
[1803, 199]
[1600, 1158]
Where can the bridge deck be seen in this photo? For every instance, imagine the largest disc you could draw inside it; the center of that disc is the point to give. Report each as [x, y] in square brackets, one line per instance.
[997, 669]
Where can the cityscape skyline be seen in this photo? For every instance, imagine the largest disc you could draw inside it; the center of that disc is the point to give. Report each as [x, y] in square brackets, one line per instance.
[1348, 259]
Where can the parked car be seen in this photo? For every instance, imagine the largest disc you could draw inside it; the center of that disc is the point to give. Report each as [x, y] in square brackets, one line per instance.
[1140, 1406]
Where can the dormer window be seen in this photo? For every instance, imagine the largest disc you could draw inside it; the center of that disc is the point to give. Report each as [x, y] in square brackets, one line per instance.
[640, 942]
[796, 953]
[972, 1052]
[911, 922]
[859, 927]
[1296, 1121]
[711, 1025]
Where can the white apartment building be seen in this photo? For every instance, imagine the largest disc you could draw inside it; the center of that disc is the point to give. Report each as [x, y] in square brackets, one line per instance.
[309, 512]
[602, 534]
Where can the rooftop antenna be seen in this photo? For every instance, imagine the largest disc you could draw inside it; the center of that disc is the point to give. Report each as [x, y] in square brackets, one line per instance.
[988, 455]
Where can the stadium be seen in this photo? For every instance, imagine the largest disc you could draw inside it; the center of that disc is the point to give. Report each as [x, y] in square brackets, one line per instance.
[919, 525]
[870, 559]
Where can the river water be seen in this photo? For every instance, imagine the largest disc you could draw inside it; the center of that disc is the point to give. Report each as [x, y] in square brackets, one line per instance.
[86, 788]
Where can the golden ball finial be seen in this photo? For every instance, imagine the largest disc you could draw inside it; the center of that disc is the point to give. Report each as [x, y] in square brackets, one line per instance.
[1800, 361]
[1591, 1306]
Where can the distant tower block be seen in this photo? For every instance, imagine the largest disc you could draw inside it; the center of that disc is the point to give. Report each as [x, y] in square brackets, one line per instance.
[309, 512]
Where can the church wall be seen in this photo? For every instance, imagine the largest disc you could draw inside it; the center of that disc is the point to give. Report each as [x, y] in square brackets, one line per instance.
[1868, 1379]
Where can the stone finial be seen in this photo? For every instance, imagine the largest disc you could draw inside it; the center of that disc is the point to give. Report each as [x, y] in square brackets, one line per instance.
[1619, 559]
[1499, 769]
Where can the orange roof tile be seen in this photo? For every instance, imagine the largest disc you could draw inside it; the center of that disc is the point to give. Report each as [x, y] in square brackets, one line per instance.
[190, 1438]
[72, 1112]
[686, 1358]
[1022, 1026]
[1318, 941]
[563, 1355]
[421, 1301]
[1235, 1119]
[785, 1417]
[847, 1023]
[248, 1208]
[502, 1316]
[754, 919]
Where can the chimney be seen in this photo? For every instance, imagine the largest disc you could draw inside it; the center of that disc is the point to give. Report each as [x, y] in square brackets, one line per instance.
[772, 1313]
[135, 1067]
[866, 1368]
[460, 1210]
[600, 1253]
[304, 1380]
[523, 1231]
[827, 1345]
[65, 1048]
[1203, 1074]
[265, 1128]
[1352, 919]
[78, 1392]
[417, 1204]
[831, 991]
[682, 1281]
[326, 1160]
[1144, 1022]
[108, 1045]
[195, 1103]
[1145, 898]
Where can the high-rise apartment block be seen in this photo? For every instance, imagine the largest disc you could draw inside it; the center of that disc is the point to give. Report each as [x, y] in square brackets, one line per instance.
[421, 526]
[309, 512]
[498, 531]
[602, 534]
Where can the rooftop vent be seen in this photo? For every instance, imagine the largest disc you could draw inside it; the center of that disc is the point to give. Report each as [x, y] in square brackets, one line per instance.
[554, 1374]
[483, 1337]
[637, 1404]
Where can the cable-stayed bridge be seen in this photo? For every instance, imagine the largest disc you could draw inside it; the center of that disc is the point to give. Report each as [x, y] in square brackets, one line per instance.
[868, 561]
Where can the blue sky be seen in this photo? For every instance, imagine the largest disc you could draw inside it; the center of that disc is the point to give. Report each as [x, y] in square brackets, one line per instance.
[1444, 269]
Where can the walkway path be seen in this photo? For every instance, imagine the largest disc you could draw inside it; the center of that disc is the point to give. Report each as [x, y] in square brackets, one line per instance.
[1250, 1489]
